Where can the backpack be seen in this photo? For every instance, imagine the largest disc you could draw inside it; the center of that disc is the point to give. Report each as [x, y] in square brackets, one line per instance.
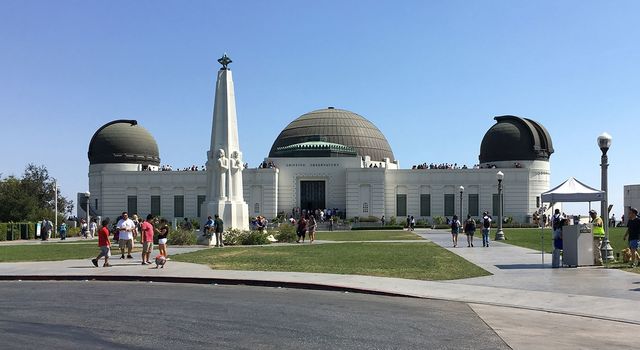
[486, 223]
[454, 224]
[557, 222]
[470, 226]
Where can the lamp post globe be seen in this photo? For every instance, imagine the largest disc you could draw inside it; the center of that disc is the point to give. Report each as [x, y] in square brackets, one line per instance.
[461, 191]
[499, 233]
[604, 143]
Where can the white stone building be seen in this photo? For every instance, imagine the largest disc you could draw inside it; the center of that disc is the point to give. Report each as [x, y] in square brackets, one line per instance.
[329, 158]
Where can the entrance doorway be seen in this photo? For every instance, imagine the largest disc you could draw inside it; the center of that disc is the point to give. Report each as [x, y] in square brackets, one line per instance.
[312, 195]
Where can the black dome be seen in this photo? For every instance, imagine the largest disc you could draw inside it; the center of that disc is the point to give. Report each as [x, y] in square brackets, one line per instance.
[123, 141]
[513, 138]
[336, 126]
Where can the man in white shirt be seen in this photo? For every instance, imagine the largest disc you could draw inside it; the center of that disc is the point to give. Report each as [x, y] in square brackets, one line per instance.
[127, 230]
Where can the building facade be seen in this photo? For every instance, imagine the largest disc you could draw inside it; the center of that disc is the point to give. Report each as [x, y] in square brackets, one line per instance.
[329, 158]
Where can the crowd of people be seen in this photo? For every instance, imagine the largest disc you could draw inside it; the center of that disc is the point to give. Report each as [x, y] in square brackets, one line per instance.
[191, 168]
[126, 231]
[443, 166]
[267, 165]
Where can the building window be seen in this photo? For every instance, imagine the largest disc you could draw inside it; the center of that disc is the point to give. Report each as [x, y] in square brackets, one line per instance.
[401, 205]
[449, 204]
[132, 205]
[256, 208]
[178, 206]
[495, 204]
[365, 207]
[538, 202]
[201, 200]
[425, 205]
[155, 205]
[474, 201]
[95, 205]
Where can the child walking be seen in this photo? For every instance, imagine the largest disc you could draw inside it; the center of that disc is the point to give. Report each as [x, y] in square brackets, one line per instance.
[104, 244]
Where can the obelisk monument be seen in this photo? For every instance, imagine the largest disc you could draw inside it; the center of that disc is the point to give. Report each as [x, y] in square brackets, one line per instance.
[224, 159]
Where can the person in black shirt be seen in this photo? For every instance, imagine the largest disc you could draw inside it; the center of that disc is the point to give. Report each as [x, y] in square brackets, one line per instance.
[633, 234]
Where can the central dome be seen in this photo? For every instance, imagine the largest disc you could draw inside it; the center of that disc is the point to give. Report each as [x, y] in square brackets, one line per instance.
[337, 126]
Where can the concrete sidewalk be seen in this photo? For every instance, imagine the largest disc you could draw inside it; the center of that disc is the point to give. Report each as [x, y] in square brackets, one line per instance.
[520, 286]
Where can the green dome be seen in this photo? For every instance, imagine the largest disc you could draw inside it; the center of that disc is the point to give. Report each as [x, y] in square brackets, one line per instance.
[123, 141]
[333, 126]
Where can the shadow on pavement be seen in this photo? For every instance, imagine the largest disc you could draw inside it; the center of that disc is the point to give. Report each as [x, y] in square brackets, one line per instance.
[522, 267]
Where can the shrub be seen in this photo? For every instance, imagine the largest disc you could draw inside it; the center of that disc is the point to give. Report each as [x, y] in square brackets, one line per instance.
[254, 238]
[422, 222]
[181, 237]
[233, 237]
[439, 220]
[392, 221]
[3, 231]
[286, 233]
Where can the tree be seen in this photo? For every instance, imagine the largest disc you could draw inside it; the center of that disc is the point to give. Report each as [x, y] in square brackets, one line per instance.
[30, 198]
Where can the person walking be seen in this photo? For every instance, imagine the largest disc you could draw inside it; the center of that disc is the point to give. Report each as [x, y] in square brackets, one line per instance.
[63, 231]
[313, 225]
[557, 221]
[93, 228]
[146, 236]
[126, 230]
[469, 230]
[301, 230]
[486, 227]
[382, 220]
[84, 228]
[218, 228]
[163, 234]
[633, 234]
[455, 230]
[412, 223]
[598, 236]
[104, 244]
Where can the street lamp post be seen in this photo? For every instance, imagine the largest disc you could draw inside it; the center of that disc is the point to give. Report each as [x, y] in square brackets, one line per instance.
[55, 200]
[87, 194]
[461, 191]
[500, 233]
[604, 142]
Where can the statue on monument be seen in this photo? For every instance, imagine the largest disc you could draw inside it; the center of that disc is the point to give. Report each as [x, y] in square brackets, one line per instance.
[223, 165]
[236, 175]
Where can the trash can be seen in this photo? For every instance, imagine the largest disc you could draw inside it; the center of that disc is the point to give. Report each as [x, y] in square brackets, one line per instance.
[577, 245]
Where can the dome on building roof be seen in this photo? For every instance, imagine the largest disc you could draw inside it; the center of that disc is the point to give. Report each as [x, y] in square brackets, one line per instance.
[513, 138]
[333, 126]
[123, 141]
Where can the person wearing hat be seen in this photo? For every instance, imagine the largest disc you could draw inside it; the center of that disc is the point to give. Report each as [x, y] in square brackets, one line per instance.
[633, 234]
[598, 235]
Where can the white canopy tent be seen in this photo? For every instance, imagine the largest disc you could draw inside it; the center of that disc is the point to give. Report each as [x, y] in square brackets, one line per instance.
[571, 190]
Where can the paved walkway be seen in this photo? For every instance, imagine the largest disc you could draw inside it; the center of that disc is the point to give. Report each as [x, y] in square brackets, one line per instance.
[519, 291]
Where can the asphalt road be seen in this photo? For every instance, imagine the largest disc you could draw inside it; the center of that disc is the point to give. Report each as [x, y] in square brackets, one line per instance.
[135, 315]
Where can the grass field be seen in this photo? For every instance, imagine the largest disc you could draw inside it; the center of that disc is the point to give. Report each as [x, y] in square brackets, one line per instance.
[422, 261]
[48, 251]
[389, 235]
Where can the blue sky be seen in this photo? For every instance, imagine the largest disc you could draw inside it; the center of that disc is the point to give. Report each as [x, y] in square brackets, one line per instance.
[431, 75]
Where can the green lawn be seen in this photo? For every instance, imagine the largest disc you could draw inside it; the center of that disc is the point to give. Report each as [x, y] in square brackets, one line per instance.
[422, 261]
[390, 235]
[530, 238]
[48, 251]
